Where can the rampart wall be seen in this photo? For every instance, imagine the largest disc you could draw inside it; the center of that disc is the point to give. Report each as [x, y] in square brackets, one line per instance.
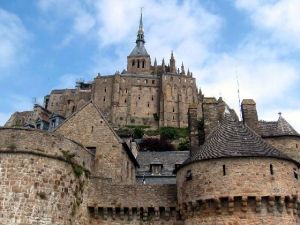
[41, 180]
[132, 204]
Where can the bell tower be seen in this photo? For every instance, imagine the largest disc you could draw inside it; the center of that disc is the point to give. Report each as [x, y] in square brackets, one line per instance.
[139, 60]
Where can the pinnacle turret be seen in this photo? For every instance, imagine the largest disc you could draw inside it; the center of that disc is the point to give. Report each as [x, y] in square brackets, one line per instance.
[172, 64]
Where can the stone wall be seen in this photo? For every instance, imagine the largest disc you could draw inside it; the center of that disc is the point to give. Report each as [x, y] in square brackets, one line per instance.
[42, 142]
[40, 182]
[252, 187]
[290, 145]
[132, 204]
[66, 101]
[89, 127]
[178, 92]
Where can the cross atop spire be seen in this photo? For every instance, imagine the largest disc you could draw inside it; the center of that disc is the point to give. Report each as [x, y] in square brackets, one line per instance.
[140, 34]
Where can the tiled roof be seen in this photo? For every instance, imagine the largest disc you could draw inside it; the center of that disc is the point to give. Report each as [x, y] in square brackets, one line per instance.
[276, 128]
[232, 138]
[168, 159]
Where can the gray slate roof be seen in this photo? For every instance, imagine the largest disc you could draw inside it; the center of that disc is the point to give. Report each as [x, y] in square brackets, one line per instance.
[139, 50]
[167, 158]
[232, 138]
[276, 128]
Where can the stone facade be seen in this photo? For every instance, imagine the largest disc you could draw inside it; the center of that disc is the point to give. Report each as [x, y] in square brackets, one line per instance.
[89, 127]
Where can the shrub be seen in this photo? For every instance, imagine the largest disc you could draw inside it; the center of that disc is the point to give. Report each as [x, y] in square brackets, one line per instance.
[138, 133]
[184, 145]
[172, 133]
[152, 132]
[168, 133]
[154, 144]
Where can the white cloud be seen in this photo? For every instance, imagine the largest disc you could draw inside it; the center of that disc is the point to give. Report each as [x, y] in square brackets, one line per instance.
[13, 37]
[280, 18]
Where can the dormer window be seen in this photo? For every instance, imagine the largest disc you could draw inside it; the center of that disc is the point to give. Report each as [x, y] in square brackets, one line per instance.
[53, 122]
[156, 168]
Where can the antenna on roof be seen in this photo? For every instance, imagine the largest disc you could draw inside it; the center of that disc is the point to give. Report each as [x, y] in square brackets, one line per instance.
[238, 92]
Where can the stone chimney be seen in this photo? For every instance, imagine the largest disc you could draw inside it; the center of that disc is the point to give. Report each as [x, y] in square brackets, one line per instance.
[249, 114]
[193, 128]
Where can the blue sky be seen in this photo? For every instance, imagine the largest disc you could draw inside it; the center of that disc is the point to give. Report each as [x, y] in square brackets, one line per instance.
[47, 44]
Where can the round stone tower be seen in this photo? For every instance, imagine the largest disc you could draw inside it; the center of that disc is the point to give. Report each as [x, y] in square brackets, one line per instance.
[236, 178]
[42, 178]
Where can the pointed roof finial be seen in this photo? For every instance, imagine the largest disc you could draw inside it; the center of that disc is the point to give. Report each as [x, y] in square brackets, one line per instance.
[279, 114]
[140, 34]
[172, 55]
[155, 62]
[182, 69]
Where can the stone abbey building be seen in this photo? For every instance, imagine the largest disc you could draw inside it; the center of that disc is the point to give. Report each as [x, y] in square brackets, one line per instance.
[64, 164]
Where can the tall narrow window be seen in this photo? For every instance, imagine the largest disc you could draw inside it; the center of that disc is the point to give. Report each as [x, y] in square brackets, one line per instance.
[143, 65]
[152, 98]
[103, 99]
[138, 64]
[295, 173]
[296, 145]
[132, 62]
[173, 109]
[125, 101]
[271, 169]
[104, 89]
[224, 170]
[148, 105]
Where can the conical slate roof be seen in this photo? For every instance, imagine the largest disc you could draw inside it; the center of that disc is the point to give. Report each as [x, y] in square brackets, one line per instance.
[277, 128]
[232, 138]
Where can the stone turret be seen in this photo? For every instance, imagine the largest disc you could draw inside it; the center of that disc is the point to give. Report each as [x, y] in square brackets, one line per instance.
[236, 178]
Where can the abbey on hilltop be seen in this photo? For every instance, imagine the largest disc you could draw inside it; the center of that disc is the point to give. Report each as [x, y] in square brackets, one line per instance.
[64, 162]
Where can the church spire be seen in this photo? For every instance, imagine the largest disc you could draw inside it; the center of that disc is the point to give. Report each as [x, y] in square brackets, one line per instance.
[140, 34]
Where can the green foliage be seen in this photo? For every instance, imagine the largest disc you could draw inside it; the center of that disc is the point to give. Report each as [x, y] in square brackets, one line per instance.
[172, 133]
[201, 133]
[138, 133]
[152, 132]
[78, 170]
[124, 132]
[184, 145]
[12, 146]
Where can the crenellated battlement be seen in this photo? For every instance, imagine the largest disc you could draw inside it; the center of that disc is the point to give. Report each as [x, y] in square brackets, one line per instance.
[245, 204]
[134, 213]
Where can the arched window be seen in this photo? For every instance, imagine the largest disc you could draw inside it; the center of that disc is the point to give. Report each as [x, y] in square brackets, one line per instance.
[143, 65]
[133, 62]
[138, 64]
